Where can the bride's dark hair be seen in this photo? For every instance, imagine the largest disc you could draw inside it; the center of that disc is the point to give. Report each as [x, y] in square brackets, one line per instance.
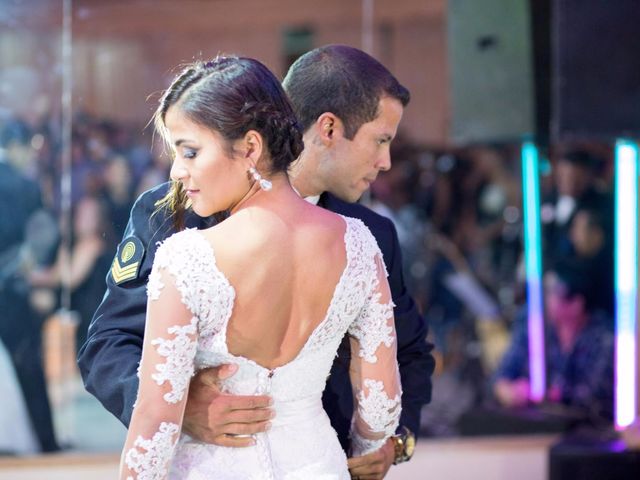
[232, 95]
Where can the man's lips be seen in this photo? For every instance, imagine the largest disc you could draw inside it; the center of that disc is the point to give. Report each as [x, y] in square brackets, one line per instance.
[369, 180]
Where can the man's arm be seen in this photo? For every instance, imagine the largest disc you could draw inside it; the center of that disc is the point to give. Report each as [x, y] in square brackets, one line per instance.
[414, 352]
[109, 359]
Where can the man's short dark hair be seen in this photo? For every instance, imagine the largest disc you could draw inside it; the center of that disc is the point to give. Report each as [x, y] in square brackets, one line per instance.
[582, 158]
[344, 81]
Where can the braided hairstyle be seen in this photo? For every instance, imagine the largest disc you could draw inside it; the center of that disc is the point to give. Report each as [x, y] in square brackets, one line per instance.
[232, 95]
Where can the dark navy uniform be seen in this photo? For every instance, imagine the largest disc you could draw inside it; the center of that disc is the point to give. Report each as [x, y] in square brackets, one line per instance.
[110, 357]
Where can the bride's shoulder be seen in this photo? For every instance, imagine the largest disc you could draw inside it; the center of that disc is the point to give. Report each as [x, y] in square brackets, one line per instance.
[359, 233]
[189, 242]
[357, 225]
[189, 235]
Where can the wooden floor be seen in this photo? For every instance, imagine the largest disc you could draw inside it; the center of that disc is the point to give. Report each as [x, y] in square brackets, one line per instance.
[503, 458]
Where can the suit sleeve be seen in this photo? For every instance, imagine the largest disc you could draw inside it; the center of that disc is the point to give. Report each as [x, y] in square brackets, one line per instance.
[414, 353]
[109, 359]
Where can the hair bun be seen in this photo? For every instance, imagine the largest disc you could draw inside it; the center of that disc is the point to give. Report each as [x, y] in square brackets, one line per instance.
[281, 129]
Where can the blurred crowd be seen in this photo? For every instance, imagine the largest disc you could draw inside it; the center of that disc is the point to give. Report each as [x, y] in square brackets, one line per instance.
[52, 258]
[458, 213]
[459, 217]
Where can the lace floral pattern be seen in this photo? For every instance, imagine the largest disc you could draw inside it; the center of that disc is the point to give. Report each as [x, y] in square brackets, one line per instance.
[358, 282]
[379, 412]
[179, 353]
[154, 284]
[148, 458]
[373, 328]
[199, 341]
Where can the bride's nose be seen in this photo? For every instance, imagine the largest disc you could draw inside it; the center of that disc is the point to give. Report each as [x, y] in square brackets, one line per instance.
[178, 171]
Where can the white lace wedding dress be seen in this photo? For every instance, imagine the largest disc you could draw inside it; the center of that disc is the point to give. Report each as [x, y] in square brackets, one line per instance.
[301, 443]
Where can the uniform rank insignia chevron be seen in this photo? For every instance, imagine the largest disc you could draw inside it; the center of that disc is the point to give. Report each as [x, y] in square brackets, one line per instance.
[127, 263]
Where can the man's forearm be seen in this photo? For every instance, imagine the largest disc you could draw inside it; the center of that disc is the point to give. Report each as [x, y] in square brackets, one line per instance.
[113, 383]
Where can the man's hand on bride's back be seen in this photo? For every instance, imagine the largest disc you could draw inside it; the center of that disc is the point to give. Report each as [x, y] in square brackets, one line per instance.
[226, 420]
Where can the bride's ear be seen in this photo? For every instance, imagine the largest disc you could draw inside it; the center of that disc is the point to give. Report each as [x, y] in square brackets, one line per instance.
[252, 145]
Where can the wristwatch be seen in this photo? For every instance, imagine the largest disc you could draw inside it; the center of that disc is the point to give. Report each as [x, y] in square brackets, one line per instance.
[404, 444]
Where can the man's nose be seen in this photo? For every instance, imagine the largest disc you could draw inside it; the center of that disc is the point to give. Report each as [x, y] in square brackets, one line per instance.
[384, 162]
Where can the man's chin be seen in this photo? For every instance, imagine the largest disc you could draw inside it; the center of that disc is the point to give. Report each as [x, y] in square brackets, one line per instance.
[349, 196]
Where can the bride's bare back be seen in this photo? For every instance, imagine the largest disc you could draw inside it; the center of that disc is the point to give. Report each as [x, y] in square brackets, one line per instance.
[284, 264]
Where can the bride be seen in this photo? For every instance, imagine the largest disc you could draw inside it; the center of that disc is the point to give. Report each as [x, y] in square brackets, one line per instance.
[273, 288]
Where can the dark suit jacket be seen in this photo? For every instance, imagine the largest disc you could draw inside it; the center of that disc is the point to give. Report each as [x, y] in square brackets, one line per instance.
[109, 359]
[19, 198]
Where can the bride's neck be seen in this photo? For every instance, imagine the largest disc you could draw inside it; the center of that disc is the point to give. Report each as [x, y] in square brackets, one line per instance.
[281, 194]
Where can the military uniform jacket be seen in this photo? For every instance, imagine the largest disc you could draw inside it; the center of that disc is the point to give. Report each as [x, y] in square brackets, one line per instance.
[109, 359]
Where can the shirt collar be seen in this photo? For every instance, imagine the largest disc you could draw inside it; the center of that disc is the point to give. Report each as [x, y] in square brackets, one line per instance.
[313, 199]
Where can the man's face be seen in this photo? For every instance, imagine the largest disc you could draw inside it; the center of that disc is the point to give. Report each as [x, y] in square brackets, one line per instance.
[572, 179]
[353, 165]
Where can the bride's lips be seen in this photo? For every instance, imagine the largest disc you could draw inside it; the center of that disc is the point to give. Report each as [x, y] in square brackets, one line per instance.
[191, 192]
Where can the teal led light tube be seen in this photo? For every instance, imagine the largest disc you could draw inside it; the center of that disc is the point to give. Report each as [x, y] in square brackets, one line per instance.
[533, 262]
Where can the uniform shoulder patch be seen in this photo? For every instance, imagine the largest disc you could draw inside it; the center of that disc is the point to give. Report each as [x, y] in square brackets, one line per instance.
[128, 260]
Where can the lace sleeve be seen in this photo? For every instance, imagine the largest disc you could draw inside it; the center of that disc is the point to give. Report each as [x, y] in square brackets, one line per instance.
[165, 370]
[374, 368]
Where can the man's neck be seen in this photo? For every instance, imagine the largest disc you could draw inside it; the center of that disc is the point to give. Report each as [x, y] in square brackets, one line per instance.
[304, 177]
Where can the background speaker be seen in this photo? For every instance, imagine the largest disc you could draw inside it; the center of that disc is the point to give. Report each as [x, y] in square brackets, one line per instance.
[596, 80]
[491, 69]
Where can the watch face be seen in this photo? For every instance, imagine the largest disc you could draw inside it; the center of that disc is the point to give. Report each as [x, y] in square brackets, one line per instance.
[410, 445]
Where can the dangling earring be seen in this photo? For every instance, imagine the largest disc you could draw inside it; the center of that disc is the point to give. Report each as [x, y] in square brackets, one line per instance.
[264, 184]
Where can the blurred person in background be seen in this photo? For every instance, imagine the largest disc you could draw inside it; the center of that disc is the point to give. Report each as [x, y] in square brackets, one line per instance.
[577, 186]
[20, 325]
[579, 348]
[88, 262]
[591, 236]
[157, 169]
[117, 192]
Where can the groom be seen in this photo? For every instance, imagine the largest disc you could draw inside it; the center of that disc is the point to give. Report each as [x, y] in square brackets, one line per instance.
[349, 106]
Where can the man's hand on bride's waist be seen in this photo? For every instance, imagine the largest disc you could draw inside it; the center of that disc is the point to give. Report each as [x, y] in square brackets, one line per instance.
[222, 419]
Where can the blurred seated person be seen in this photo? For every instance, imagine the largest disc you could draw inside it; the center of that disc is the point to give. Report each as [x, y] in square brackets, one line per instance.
[575, 174]
[591, 236]
[579, 346]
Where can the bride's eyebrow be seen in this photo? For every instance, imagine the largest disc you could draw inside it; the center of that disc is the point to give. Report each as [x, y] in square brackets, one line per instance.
[180, 141]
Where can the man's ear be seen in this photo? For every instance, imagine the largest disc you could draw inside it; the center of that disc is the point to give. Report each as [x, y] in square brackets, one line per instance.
[329, 127]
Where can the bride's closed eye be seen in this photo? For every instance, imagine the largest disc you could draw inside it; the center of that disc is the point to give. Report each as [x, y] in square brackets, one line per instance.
[189, 153]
